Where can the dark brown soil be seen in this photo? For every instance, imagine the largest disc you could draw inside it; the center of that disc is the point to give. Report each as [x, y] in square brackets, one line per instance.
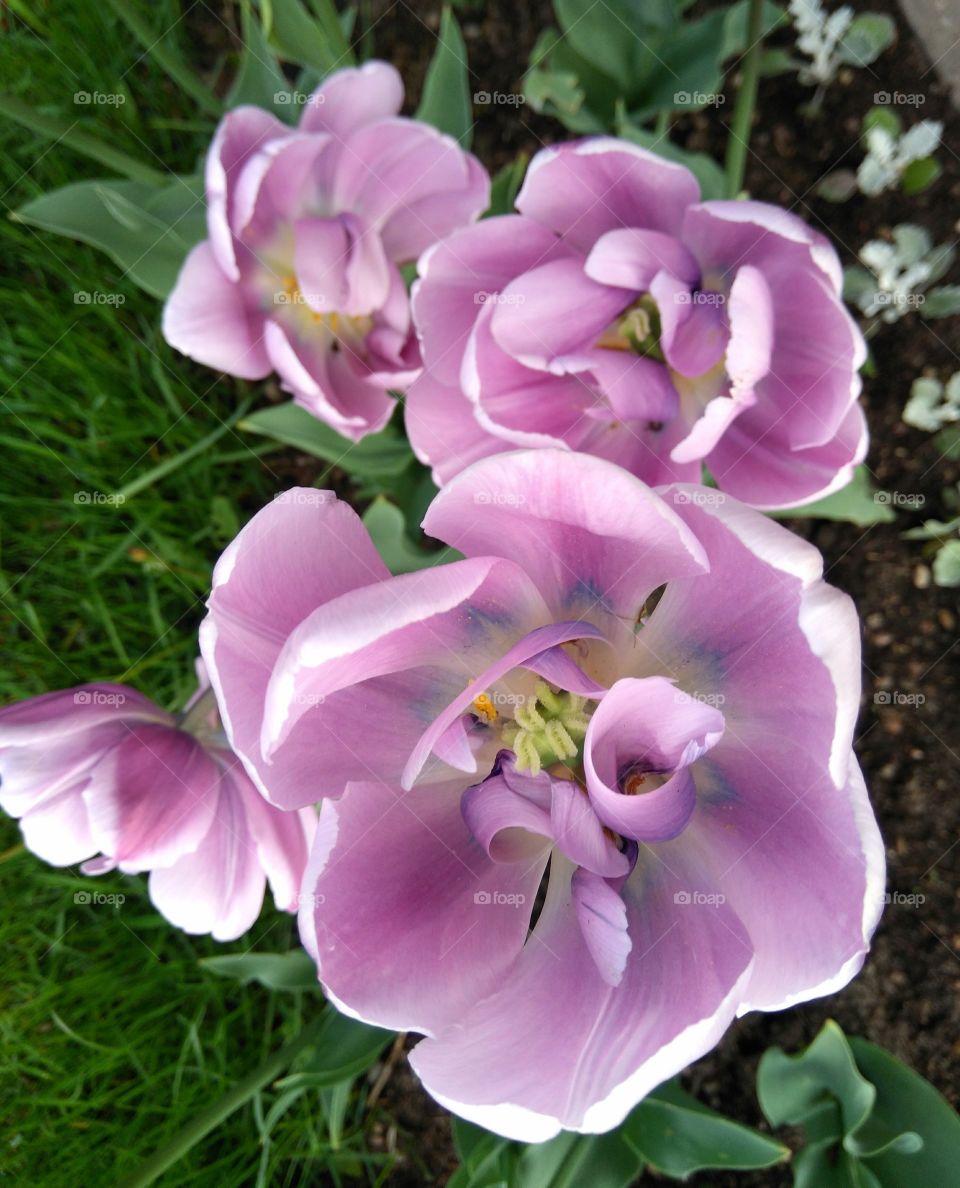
[907, 996]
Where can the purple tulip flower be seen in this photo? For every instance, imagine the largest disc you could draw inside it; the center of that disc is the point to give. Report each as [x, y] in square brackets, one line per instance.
[618, 315]
[102, 770]
[307, 227]
[593, 786]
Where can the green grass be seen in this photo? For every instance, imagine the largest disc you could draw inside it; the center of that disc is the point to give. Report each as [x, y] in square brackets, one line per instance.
[112, 1036]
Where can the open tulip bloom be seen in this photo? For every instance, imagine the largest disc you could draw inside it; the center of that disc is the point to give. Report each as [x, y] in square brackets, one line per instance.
[307, 228]
[101, 770]
[619, 315]
[589, 792]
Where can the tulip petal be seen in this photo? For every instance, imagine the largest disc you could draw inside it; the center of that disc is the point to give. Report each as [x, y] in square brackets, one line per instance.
[799, 860]
[352, 98]
[647, 726]
[590, 1050]
[604, 553]
[301, 550]
[410, 920]
[602, 916]
[584, 189]
[152, 797]
[631, 257]
[218, 887]
[207, 318]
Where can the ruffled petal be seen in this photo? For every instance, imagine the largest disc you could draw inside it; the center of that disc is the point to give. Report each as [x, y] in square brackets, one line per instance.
[302, 550]
[352, 98]
[591, 1051]
[644, 729]
[603, 554]
[584, 189]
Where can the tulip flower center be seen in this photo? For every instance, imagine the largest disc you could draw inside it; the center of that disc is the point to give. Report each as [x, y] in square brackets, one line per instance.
[637, 329]
[547, 727]
[347, 329]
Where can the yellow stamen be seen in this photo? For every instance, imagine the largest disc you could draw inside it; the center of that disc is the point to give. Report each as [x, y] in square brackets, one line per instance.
[484, 708]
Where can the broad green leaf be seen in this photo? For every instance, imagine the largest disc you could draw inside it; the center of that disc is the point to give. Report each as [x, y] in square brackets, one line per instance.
[277, 971]
[382, 455]
[920, 175]
[315, 42]
[623, 38]
[942, 302]
[506, 185]
[147, 230]
[736, 28]
[385, 523]
[688, 74]
[446, 100]
[679, 1135]
[259, 80]
[562, 83]
[68, 133]
[161, 46]
[906, 1100]
[792, 1088]
[858, 503]
[486, 1160]
[554, 92]
[571, 1160]
[343, 1048]
[824, 1165]
[869, 35]
[705, 169]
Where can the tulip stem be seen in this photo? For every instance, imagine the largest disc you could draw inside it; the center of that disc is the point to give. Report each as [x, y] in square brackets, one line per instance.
[210, 1118]
[738, 140]
[193, 719]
